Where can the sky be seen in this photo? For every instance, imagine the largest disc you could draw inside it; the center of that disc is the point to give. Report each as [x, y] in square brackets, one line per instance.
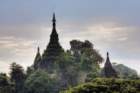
[111, 25]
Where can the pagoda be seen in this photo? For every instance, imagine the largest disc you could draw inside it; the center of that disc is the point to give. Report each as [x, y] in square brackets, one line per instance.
[108, 70]
[53, 49]
[37, 59]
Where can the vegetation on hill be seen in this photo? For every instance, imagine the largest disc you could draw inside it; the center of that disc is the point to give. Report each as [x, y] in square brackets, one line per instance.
[79, 66]
[40, 82]
[107, 85]
[125, 72]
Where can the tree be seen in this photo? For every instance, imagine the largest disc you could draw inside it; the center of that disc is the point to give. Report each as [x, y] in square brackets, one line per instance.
[29, 70]
[6, 86]
[41, 82]
[87, 57]
[107, 85]
[17, 76]
[68, 70]
[125, 72]
[86, 48]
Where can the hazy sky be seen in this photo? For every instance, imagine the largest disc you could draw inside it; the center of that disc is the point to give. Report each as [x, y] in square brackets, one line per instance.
[111, 25]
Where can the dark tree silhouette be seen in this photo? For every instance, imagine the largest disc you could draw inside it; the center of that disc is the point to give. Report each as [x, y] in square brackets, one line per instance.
[6, 86]
[17, 75]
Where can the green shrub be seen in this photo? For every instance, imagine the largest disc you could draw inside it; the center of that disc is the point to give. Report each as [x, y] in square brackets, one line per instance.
[107, 85]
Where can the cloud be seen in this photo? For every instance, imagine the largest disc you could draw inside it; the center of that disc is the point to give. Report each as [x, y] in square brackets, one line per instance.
[108, 33]
[16, 50]
[121, 40]
[19, 43]
[4, 67]
[24, 25]
[28, 31]
[15, 43]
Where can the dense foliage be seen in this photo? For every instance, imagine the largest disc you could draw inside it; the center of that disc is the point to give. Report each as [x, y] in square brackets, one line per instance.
[40, 82]
[6, 86]
[17, 76]
[104, 85]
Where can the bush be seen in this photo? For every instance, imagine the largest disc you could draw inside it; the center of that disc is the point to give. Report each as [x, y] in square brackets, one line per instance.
[104, 85]
[40, 82]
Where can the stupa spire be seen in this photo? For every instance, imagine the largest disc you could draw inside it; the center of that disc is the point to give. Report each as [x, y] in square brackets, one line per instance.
[38, 49]
[37, 59]
[109, 71]
[53, 49]
[54, 20]
[108, 59]
[54, 35]
[107, 54]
